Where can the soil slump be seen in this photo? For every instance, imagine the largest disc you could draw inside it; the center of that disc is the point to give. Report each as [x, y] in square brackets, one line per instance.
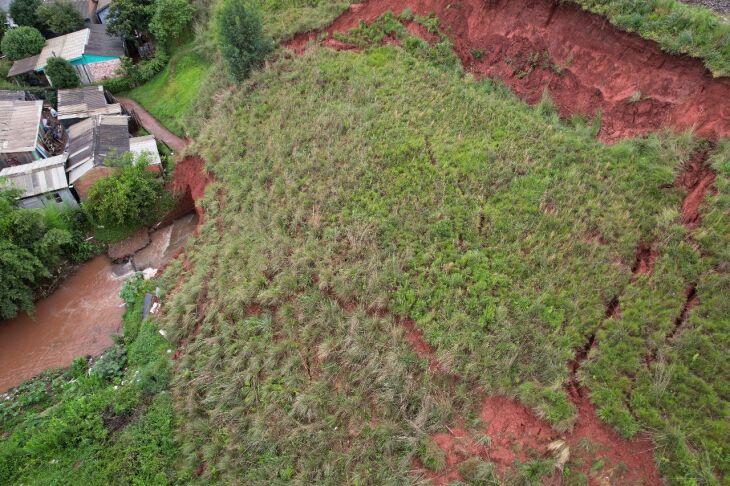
[586, 65]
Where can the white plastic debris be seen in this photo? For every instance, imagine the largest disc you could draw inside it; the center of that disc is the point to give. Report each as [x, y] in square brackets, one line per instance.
[163, 333]
[155, 308]
[149, 273]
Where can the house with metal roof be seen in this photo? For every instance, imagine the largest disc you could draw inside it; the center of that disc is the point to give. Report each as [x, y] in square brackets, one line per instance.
[75, 105]
[21, 132]
[95, 54]
[96, 141]
[42, 183]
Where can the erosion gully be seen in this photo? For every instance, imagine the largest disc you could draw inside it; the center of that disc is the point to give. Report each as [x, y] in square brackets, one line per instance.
[592, 69]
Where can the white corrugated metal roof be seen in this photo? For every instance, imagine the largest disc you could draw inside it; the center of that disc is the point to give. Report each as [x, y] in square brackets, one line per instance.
[85, 102]
[139, 145]
[19, 122]
[70, 46]
[38, 177]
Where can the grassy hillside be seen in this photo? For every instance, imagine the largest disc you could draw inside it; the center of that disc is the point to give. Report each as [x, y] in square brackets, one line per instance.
[350, 183]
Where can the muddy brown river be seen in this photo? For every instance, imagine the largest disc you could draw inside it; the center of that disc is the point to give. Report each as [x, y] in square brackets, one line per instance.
[77, 319]
[81, 316]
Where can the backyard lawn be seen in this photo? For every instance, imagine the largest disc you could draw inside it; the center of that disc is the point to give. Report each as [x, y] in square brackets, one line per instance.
[170, 95]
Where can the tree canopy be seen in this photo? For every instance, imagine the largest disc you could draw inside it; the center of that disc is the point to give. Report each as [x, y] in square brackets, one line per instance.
[24, 13]
[241, 39]
[22, 42]
[61, 73]
[32, 243]
[128, 17]
[60, 17]
[132, 197]
[169, 18]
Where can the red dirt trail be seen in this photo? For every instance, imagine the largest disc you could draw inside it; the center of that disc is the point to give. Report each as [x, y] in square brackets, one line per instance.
[590, 66]
[153, 126]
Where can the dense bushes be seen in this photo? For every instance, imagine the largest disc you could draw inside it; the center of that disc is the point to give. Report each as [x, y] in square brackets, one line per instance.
[240, 38]
[24, 13]
[133, 197]
[60, 17]
[61, 73]
[169, 18]
[32, 244]
[22, 42]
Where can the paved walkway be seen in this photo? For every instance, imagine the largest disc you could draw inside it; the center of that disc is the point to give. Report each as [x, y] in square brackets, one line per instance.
[153, 126]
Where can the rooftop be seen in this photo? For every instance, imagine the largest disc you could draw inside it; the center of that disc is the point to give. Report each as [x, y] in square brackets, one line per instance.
[93, 40]
[38, 177]
[94, 139]
[145, 144]
[19, 122]
[85, 102]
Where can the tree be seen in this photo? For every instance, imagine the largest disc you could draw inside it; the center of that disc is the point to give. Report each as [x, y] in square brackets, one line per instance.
[30, 244]
[24, 13]
[241, 39]
[3, 23]
[61, 73]
[131, 198]
[60, 17]
[128, 17]
[169, 19]
[22, 42]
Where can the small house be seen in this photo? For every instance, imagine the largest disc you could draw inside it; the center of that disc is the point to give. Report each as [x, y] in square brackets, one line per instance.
[75, 105]
[95, 55]
[21, 132]
[42, 183]
[95, 141]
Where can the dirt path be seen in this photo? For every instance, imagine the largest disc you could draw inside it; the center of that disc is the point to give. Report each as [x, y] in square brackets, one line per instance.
[153, 126]
[588, 66]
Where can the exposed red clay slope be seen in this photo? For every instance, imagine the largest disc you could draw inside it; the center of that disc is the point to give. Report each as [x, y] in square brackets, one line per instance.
[189, 182]
[697, 179]
[601, 68]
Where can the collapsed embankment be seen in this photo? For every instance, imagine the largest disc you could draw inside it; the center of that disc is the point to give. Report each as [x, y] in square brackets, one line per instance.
[587, 66]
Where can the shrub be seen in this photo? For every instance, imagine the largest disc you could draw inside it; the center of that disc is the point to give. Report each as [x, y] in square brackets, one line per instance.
[3, 23]
[169, 19]
[241, 40]
[130, 198]
[24, 13]
[22, 42]
[60, 17]
[128, 17]
[61, 73]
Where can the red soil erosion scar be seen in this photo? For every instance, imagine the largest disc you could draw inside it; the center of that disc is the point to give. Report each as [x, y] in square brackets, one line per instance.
[188, 183]
[586, 65]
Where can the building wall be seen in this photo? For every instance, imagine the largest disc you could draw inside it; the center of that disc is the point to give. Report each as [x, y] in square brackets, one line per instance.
[20, 157]
[61, 198]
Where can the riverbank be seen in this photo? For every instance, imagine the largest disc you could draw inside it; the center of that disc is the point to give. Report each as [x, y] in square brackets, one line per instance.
[84, 312]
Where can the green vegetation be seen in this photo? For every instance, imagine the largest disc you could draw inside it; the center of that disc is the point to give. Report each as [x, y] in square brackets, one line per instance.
[677, 27]
[128, 199]
[61, 73]
[22, 42]
[24, 13]
[349, 183]
[171, 95]
[128, 17]
[60, 17]
[240, 38]
[169, 19]
[33, 244]
[3, 23]
[391, 181]
[109, 421]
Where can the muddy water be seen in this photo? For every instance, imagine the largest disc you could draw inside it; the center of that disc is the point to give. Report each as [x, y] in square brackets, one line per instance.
[77, 319]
